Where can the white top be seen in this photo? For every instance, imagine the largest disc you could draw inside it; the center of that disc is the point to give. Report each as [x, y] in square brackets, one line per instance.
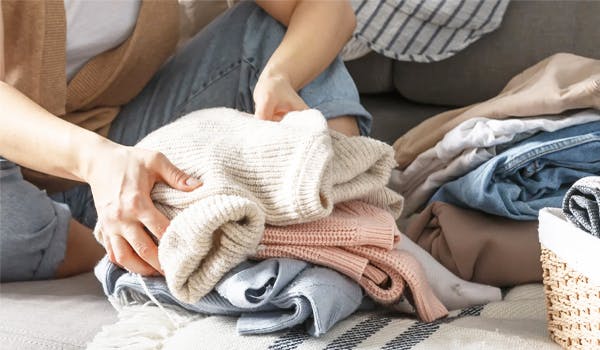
[96, 26]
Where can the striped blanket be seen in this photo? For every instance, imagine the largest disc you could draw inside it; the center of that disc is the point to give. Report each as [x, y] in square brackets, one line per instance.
[421, 30]
[517, 322]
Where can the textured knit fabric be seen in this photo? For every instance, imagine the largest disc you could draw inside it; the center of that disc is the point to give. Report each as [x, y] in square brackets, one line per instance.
[556, 84]
[477, 246]
[467, 146]
[357, 240]
[581, 204]
[254, 172]
[350, 224]
[267, 296]
[419, 30]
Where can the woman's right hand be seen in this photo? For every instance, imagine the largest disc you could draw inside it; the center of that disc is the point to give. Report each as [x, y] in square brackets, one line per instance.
[121, 179]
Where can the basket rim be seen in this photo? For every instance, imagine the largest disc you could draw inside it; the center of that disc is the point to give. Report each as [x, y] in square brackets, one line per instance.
[579, 249]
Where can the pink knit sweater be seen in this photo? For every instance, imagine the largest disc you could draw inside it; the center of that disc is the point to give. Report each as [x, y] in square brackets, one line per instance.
[357, 239]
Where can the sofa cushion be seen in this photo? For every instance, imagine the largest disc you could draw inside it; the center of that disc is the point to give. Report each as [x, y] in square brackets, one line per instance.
[56, 314]
[530, 32]
[372, 73]
[394, 115]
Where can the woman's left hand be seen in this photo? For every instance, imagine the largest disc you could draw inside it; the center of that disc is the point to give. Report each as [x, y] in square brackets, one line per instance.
[274, 96]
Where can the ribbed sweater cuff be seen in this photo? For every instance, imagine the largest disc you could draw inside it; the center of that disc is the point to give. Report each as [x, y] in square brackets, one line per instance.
[205, 241]
[376, 275]
[381, 236]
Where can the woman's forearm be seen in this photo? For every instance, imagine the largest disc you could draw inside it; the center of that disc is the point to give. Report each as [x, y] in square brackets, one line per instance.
[32, 137]
[317, 31]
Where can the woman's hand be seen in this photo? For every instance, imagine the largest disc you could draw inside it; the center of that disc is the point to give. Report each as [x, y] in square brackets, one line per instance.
[316, 32]
[121, 179]
[274, 96]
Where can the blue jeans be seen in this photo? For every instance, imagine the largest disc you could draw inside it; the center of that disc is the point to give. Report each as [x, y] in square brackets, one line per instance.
[218, 67]
[268, 296]
[533, 174]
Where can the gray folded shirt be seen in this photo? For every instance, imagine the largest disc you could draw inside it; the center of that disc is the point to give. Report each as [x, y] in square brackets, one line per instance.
[268, 296]
[581, 204]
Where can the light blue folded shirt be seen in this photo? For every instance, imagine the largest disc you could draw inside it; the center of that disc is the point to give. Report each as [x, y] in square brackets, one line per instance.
[268, 296]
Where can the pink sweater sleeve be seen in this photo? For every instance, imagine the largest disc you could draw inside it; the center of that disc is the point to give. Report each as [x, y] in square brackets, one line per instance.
[353, 223]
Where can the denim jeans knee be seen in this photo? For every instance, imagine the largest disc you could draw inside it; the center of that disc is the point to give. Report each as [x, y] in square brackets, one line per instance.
[219, 67]
[33, 228]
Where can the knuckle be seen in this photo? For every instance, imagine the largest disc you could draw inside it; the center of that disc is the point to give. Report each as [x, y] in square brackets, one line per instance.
[112, 257]
[111, 215]
[156, 158]
[132, 203]
[121, 257]
[142, 249]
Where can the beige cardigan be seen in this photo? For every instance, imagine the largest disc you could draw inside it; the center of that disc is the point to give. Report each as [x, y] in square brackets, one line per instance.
[35, 56]
[35, 46]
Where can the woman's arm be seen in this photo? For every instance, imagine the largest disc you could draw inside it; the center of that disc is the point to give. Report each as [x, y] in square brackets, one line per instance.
[120, 177]
[316, 32]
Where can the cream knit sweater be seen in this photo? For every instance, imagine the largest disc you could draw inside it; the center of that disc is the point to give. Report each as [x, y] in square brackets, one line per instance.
[255, 172]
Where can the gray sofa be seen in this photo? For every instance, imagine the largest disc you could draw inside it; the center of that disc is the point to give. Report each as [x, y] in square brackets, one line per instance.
[65, 314]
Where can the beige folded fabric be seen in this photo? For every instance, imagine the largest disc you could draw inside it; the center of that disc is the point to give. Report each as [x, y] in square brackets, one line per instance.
[479, 247]
[254, 172]
[556, 84]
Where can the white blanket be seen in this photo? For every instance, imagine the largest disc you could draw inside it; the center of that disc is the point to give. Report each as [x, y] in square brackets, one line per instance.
[517, 322]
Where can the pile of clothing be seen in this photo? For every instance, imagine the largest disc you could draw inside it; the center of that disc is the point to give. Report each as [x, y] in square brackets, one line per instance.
[292, 224]
[479, 175]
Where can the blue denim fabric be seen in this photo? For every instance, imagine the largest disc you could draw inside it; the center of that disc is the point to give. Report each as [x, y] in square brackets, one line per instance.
[218, 67]
[33, 228]
[533, 174]
[268, 296]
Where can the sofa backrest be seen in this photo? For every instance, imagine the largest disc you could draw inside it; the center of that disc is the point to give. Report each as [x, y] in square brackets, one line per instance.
[530, 32]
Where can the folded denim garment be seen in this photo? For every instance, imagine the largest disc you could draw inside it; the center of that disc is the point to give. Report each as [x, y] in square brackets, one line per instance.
[268, 296]
[581, 205]
[470, 144]
[533, 174]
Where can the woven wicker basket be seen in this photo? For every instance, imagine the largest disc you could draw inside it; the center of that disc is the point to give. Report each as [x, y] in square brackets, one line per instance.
[573, 304]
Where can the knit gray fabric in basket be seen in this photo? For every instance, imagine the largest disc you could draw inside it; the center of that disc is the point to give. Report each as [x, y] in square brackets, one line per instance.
[581, 204]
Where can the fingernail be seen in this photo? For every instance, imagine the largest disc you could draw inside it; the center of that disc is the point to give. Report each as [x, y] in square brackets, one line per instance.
[192, 182]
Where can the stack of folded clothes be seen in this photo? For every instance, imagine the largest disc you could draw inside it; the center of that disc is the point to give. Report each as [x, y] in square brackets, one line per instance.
[482, 173]
[275, 191]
